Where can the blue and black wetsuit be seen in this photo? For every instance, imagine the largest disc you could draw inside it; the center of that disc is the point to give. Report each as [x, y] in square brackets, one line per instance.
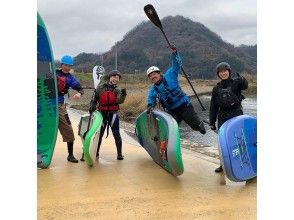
[172, 98]
[66, 81]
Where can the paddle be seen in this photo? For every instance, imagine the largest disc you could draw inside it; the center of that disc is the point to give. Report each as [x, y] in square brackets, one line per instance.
[152, 15]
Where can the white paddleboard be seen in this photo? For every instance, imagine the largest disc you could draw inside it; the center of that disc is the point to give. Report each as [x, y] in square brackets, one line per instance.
[98, 72]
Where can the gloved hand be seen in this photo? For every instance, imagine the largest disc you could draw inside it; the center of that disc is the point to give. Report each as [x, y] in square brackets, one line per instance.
[212, 127]
[123, 92]
[202, 128]
[150, 109]
[237, 76]
[173, 48]
[203, 131]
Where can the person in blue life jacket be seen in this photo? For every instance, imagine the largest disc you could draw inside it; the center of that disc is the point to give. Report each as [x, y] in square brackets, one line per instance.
[226, 98]
[65, 80]
[108, 97]
[166, 88]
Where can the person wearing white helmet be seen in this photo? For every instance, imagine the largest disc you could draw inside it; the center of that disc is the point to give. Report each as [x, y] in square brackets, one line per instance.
[65, 80]
[166, 88]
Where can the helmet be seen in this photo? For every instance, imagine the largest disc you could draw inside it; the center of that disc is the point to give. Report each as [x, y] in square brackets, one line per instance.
[221, 66]
[152, 69]
[114, 73]
[66, 59]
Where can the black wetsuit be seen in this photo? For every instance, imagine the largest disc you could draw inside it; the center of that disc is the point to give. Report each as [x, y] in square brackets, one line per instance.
[224, 109]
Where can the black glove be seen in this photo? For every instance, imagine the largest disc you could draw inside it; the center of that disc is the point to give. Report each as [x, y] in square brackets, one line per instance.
[203, 131]
[173, 48]
[212, 127]
[149, 109]
[202, 128]
[123, 92]
[237, 76]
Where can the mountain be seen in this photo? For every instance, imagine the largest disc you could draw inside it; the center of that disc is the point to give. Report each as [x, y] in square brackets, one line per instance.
[249, 50]
[200, 49]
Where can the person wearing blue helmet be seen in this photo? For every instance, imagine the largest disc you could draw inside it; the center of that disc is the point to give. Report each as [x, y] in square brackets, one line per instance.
[65, 80]
[166, 88]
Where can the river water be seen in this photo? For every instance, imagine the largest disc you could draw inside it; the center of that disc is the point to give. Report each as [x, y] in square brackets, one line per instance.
[210, 138]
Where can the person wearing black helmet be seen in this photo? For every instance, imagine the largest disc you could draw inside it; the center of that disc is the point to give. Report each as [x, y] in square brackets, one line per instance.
[107, 98]
[65, 80]
[226, 98]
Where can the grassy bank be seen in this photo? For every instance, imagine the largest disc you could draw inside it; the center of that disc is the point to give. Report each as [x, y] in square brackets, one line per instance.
[137, 88]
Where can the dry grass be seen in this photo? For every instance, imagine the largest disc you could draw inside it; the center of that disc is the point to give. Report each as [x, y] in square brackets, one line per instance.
[252, 85]
[134, 104]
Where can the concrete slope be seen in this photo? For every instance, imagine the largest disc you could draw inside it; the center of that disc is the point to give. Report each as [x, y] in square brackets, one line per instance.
[137, 188]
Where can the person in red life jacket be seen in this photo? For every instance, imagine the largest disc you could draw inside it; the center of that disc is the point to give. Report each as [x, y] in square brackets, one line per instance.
[226, 98]
[65, 81]
[107, 98]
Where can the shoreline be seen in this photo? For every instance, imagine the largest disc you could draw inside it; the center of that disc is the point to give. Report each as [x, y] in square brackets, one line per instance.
[137, 87]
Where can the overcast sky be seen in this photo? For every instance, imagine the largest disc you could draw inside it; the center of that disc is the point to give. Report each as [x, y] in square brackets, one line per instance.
[94, 26]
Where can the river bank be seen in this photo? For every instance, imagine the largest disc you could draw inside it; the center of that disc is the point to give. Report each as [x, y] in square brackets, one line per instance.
[137, 86]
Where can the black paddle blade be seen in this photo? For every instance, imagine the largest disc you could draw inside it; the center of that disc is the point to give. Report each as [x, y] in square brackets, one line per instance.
[152, 15]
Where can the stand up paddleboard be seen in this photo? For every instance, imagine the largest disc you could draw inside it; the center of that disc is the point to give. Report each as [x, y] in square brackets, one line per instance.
[238, 148]
[158, 133]
[47, 103]
[90, 138]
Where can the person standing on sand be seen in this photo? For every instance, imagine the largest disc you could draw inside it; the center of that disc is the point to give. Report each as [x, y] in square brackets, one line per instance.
[172, 98]
[108, 96]
[226, 98]
[65, 81]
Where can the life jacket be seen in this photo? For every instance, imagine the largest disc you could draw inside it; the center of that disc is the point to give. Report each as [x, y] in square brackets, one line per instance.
[227, 98]
[107, 100]
[170, 97]
[61, 83]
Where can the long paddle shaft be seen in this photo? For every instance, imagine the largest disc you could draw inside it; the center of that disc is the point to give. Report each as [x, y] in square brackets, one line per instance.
[152, 15]
[88, 126]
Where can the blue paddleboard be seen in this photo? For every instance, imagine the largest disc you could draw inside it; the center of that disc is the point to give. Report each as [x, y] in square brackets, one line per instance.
[237, 139]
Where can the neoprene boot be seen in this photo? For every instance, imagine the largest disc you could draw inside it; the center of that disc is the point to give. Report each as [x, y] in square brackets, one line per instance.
[219, 169]
[118, 143]
[70, 156]
[120, 157]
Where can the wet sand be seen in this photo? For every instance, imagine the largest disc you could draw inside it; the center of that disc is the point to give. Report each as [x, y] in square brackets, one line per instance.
[137, 188]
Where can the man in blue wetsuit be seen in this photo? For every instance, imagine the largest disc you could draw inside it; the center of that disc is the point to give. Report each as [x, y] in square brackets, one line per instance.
[167, 89]
[65, 81]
